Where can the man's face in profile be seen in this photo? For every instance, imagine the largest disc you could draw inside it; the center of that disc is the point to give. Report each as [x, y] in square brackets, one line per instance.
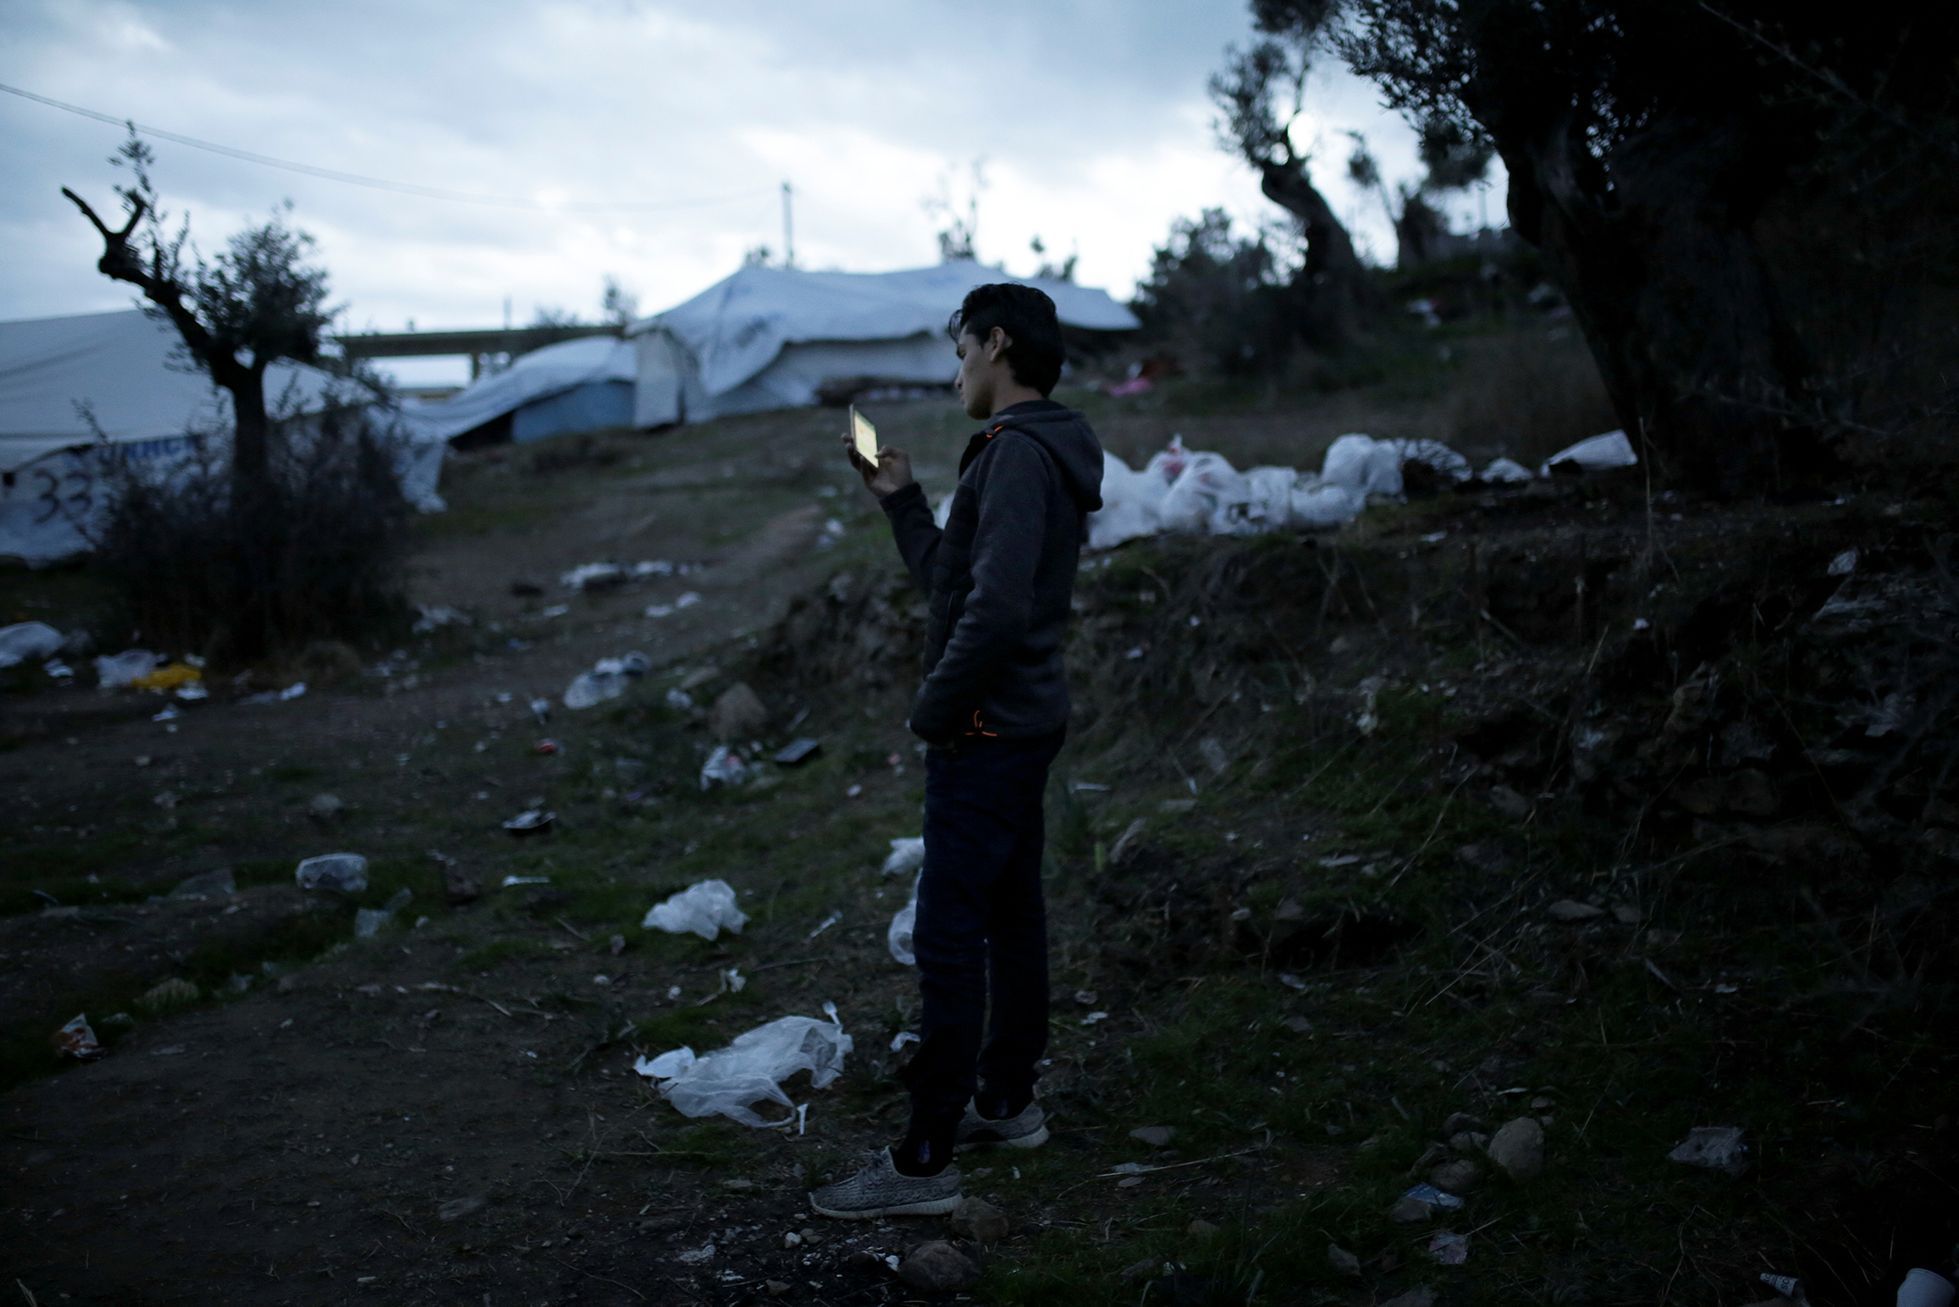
[978, 378]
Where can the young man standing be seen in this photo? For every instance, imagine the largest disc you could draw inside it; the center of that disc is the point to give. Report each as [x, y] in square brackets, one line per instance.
[993, 708]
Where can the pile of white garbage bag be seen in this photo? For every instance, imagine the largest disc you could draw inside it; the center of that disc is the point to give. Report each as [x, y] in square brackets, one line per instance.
[1199, 492]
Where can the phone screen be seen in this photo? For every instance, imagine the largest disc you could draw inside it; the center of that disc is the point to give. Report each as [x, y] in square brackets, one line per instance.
[864, 435]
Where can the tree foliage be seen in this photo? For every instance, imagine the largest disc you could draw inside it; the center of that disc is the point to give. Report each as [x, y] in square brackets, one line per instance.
[1220, 298]
[1656, 150]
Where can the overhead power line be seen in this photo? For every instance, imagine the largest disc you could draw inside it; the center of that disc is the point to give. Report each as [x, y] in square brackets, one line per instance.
[383, 184]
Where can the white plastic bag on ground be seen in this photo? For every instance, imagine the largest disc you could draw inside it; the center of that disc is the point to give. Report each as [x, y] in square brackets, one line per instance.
[1316, 504]
[1266, 504]
[116, 671]
[705, 908]
[723, 767]
[1598, 454]
[1362, 464]
[28, 642]
[907, 854]
[903, 923]
[1207, 482]
[1165, 467]
[1436, 454]
[731, 1080]
[1505, 470]
[1130, 503]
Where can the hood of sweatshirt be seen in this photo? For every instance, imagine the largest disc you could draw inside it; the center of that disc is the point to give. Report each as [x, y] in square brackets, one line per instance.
[1069, 441]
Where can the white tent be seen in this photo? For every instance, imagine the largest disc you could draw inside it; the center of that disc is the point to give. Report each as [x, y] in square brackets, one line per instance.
[776, 337]
[78, 391]
[574, 385]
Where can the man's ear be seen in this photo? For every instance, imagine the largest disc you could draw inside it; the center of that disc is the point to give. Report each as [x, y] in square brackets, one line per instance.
[998, 342]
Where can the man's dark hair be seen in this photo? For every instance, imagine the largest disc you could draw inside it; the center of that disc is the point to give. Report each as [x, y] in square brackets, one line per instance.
[1034, 350]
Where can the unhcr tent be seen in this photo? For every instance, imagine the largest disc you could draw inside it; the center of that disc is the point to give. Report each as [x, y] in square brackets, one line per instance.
[574, 385]
[781, 337]
[77, 393]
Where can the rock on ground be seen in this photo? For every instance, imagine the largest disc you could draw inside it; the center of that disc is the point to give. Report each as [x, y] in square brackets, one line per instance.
[1713, 1148]
[737, 714]
[1457, 1177]
[979, 1220]
[1156, 1136]
[1518, 1148]
[939, 1267]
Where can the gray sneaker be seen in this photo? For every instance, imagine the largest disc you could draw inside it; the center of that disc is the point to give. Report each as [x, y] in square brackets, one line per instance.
[880, 1190]
[1028, 1130]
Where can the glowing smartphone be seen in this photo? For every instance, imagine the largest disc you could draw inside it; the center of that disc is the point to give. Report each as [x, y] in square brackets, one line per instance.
[864, 436]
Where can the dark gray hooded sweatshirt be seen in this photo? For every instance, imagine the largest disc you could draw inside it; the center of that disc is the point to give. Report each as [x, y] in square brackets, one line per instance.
[1000, 576]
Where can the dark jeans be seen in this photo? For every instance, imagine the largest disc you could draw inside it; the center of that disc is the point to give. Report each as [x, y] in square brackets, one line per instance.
[982, 925]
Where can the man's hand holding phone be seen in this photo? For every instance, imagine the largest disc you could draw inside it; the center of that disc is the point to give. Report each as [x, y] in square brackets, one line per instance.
[889, 474]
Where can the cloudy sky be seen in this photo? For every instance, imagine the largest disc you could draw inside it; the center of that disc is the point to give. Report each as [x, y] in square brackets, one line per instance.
[642, 139]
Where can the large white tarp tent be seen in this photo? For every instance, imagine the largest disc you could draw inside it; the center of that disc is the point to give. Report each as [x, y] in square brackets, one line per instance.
[574, 385]
[770, 338]
[79, 392]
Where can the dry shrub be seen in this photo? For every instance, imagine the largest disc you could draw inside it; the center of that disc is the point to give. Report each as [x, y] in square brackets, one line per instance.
[316, 556]
[1528, 394]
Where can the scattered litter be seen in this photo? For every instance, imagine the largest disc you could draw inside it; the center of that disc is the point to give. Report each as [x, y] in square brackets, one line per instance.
[541, 709]
[1713, 1148]
[657, 611]
[344, 872]
[1920, 1288]
[116, 671]
[706, 908]
[687, 600]
[545, 748]
[512, 882]
[902, 1038]
[680, 700]
[798, 751]
[1504, 471]
[696, 1256]
[1089, 787]
[58, 670]
[1428, 1193]
[28, 642]
[907, 854]
[1600, 453]
[732, 981]
[1095, 1018]
[606, 680]
[294, 691]
[1342, 1260]
[168, 995]
[188, 693]
[898, 938]
[1572, 910]
[171, 676]
[1449, 1249]
[1291, 981]
[853, 792]
[77, 1039]
[168, 714]
[531, 821]
[1842, 565]
[729, 1081]
[593, 576]
[723, 767]
[434, 617]
[368, 921]
[1790, 1287]
[1087, 997]
[825, 924]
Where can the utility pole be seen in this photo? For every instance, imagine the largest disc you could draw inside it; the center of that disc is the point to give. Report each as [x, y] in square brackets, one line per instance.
[788, 230]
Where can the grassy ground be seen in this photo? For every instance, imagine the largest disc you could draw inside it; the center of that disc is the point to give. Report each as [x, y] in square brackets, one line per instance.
[1303, 857]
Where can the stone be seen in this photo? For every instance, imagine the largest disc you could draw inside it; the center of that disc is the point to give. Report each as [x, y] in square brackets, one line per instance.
[1156, 1136]
[978, 1220]
[1422, 1297]
[1713, 1148]
[459, 886]
[1298, 1025]
[774, 1288]
[1517, 1148]
[457, 1208]
[1469, 1141]
[1460, 1121]
[737, 713]
[1200, 1229]
[938, 1266]
[1342, 1260]
[325, 808]
[1572, 910]
[1509, 803]
[207, 885]
[1409, 1210]
[1457, 1177]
